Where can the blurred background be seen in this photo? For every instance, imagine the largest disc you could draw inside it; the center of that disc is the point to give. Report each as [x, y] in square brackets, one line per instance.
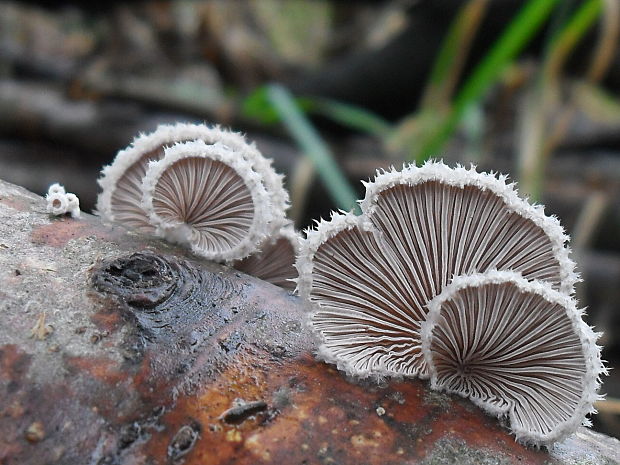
[333, 90]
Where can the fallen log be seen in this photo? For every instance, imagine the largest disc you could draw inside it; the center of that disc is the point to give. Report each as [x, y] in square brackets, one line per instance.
[119, 349]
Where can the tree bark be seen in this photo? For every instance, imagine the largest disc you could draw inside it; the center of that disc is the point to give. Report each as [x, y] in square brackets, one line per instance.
[119, 349]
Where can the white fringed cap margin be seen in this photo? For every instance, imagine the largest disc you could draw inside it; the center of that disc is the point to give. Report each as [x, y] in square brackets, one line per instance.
[275, 262]
[396, 312]
[591, 352]
[166, 135]
[324, 230]
[263, 210]
[288, 231]
[460, 177]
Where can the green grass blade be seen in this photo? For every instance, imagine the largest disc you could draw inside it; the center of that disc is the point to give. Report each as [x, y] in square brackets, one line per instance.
[564, 42]
[349, 115]
[257, 107]
[313, 146]
[519, 32]
[453, 53]
[535, 143]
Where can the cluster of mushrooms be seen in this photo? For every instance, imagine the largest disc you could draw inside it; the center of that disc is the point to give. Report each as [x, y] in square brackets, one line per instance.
[447, 274]
[60, 202]
[208, 189]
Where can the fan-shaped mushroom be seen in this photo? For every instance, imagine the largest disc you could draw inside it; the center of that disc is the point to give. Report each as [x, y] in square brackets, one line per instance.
[369, 278]
[121, 198]
[208, 197]
[275, 263]
[516, 348]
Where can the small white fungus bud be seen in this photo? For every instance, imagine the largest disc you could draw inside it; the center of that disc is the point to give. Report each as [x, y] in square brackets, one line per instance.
[73, 206]
[56, 189]
[57, 203]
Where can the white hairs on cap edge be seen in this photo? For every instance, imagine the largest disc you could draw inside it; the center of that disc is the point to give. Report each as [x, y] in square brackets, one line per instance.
[287, 230]
[166, 135]
[263, 209]
[267, 271]
[460, 177]
[434, 170]
[411, 175]
[594, 368]
[325, 229]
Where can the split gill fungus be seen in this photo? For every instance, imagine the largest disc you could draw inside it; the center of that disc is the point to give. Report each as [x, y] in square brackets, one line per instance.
[205, 188]
[515, 348]
[121, 182]
[208, 197]
[275, 262]
[369, 280]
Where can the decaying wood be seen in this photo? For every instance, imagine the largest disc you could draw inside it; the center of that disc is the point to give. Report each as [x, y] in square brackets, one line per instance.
[117, 349]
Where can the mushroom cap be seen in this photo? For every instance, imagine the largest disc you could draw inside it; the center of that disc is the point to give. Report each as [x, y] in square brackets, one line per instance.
[275, 263]
[516, 348]
[369, 278]
[73, 205]
[121, 182]
[56, 188]
[500, 207]
[208, 197]
[73, 201]
[57, 203]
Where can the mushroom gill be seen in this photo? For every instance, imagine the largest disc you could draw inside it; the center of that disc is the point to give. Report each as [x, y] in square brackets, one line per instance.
[516, 348]
[121, 198]
[275, 263]
[369, 278]
[207, 197]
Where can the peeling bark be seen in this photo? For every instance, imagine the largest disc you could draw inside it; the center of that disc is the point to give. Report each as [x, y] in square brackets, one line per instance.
[119, 349]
